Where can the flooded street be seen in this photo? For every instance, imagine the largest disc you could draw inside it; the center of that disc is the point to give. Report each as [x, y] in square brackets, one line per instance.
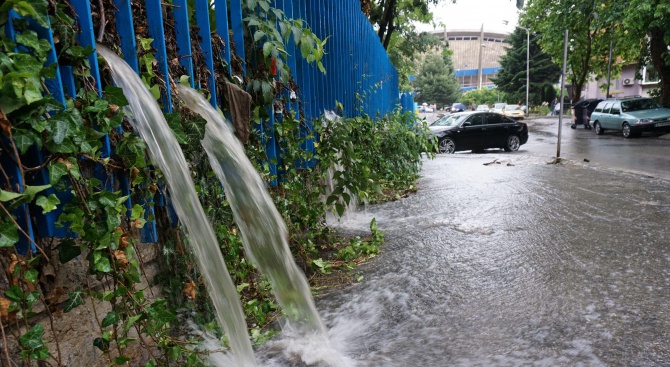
[514, 263]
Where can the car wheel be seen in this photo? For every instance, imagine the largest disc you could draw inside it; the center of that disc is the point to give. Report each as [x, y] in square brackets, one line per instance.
[599, 129]
[447, 145]
[573, 126]
[625, 131]
[513, 143]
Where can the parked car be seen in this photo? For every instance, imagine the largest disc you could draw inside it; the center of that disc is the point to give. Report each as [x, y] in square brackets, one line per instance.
[458, 107]
[513, 111]
[477, 131]
[631, 116]
[498, 107]
[582, 111]
[482, 107]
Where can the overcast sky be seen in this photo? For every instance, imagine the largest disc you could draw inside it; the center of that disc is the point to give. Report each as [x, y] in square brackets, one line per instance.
[470, 14]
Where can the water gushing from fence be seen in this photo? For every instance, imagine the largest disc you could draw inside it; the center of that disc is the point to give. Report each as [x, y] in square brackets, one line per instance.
[262, 228]
[263, 231]
[147, 119]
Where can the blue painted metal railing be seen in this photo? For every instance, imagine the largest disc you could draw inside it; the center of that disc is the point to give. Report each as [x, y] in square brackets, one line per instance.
[359, 74]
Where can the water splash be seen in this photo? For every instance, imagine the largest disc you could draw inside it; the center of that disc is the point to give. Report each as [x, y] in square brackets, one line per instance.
[147, 119]
[263, 233]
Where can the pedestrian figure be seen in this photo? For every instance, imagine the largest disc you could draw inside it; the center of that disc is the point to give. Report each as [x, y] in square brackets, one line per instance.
[553, 105]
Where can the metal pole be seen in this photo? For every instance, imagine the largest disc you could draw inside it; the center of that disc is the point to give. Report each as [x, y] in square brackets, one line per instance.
[560, 111]
[481, 45]
[609, 71]
[527, 68]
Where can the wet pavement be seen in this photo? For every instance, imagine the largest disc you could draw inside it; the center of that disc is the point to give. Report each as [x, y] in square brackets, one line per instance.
[516, 263]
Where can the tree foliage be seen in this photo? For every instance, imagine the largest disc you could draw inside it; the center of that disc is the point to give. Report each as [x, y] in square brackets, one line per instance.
[483, 96]
[644, 28]
[512, 77]
[437, 81]
[395, 21]
[589, 24]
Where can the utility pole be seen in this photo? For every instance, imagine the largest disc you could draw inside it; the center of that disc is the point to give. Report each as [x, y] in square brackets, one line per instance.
[481, 46]
[560, 112]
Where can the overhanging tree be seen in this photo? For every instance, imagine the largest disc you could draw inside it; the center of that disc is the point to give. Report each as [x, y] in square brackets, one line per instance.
[543, 72]
[437, 81]
[590, 26]
[646, 30]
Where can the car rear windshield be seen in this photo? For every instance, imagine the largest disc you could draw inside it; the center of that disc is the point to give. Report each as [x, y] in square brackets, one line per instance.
[638, 105]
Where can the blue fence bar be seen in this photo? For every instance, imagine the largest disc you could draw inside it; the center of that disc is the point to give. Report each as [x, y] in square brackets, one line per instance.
[183, 36]
[222, 29]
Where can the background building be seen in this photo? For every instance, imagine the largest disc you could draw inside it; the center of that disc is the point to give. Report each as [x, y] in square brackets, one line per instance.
[475, 52]
[625, 85]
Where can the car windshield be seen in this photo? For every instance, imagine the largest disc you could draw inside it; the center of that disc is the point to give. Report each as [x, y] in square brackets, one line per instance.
[482, 107]
[511, 108]
[499, 106]
[450, 120]
[639, 104]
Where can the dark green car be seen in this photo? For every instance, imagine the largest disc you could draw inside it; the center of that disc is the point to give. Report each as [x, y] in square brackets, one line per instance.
[631, 116]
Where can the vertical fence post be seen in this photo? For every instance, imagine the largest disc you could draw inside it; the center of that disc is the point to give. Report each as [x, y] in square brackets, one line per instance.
[238, 31]
[202, 19]
[221, 11]
[183, 35]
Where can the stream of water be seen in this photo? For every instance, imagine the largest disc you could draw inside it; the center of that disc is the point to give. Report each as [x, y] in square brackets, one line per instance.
[147, 119]
[263, 231]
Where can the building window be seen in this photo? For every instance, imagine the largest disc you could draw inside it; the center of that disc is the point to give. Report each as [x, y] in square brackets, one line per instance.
[650, 75]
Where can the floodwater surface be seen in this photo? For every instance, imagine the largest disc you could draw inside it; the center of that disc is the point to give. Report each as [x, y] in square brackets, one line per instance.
[514, 263]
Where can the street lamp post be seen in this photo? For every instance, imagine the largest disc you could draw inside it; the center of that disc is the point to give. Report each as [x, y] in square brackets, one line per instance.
[527, 67]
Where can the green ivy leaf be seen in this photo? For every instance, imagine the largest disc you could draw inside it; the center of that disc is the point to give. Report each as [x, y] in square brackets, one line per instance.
[101, 262]
[75, 299]
[121, 360]
[111, 319]
[267, 48]
[340, 209]
[47, 203]
[184, 80]
[14, 293]
[68, 250]
[115, 96]
[33, 344]
[6, 196]
[155, 91]
[59, 127]
[101, 344]
[25, 140]
[9, 235]
[31, 275]
[131, 321]
[146, 43]
[174, 121]
[56, 171]
[138, 212]
[31, 191]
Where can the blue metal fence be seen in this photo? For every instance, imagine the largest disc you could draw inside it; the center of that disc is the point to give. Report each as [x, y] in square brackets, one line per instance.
[359, 74]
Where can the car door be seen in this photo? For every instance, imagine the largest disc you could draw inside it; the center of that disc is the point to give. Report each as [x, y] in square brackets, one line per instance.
[614, 117]
[605, 118]
[473, 133]
[497, 130]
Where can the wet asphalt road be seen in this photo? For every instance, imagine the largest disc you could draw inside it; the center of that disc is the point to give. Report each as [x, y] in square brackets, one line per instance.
[518, 263]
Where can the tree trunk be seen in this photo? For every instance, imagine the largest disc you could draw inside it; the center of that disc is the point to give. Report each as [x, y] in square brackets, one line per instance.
[657, 48]
[387, 19]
